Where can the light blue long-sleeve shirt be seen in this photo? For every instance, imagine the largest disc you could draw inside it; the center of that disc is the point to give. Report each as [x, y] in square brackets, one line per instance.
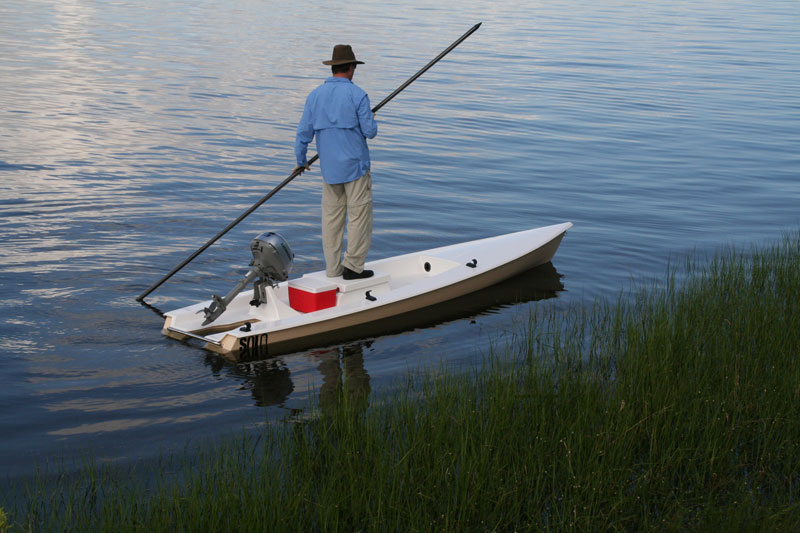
[339, 115]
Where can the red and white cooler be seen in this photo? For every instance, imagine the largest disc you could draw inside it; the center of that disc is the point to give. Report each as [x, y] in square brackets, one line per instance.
[309, 294]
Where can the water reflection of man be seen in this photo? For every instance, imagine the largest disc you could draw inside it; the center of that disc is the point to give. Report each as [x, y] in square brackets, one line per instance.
[338, 114]
[348, 380]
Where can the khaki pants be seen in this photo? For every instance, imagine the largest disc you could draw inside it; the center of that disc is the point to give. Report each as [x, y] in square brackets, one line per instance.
[351, 201]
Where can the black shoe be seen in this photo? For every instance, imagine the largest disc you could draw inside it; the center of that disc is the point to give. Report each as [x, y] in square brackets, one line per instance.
[350, 274]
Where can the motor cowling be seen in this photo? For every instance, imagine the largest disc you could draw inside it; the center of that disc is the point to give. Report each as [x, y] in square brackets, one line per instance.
[272, 256]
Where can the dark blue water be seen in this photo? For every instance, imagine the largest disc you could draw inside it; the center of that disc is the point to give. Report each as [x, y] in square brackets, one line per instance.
[130, 133]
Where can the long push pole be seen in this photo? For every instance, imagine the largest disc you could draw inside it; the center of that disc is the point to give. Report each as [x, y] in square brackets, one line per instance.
[299, 171]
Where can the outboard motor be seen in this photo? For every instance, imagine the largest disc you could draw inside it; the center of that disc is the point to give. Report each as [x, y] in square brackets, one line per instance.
[272, 261]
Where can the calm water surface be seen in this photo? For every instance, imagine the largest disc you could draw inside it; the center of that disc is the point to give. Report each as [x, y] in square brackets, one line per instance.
[130, 133]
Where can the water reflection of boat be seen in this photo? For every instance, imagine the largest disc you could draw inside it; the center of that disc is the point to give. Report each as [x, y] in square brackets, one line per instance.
[271, 383]
[315, 311]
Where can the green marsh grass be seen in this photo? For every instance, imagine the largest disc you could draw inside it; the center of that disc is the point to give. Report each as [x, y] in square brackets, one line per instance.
[676, 408]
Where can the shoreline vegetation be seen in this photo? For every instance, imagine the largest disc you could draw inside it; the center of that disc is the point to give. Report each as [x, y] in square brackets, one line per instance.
[675, 408]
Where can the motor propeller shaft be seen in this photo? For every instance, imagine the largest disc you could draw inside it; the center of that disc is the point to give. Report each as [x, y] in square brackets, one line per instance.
[219, 305]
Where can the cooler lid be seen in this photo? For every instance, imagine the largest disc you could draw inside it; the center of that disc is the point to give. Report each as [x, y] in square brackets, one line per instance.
[313, 285]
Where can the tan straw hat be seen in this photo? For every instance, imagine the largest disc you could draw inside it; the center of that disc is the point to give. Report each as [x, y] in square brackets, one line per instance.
[342, 54]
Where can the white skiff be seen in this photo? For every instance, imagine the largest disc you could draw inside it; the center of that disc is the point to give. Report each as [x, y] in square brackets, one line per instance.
[314, 309]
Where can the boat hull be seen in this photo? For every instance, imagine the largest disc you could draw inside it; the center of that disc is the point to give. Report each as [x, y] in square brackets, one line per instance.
[265, 340]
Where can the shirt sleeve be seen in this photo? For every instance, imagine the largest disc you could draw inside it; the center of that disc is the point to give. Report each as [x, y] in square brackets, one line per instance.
[305, 134]
[369, 128]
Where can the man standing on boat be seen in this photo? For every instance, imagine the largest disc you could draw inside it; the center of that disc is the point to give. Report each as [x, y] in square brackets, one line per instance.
[339, 115]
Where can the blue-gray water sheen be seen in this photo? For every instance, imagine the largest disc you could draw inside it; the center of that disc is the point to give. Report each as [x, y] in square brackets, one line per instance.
[131, 132]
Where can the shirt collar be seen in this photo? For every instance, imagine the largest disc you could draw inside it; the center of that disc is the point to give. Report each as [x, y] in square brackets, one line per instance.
[337, 79]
